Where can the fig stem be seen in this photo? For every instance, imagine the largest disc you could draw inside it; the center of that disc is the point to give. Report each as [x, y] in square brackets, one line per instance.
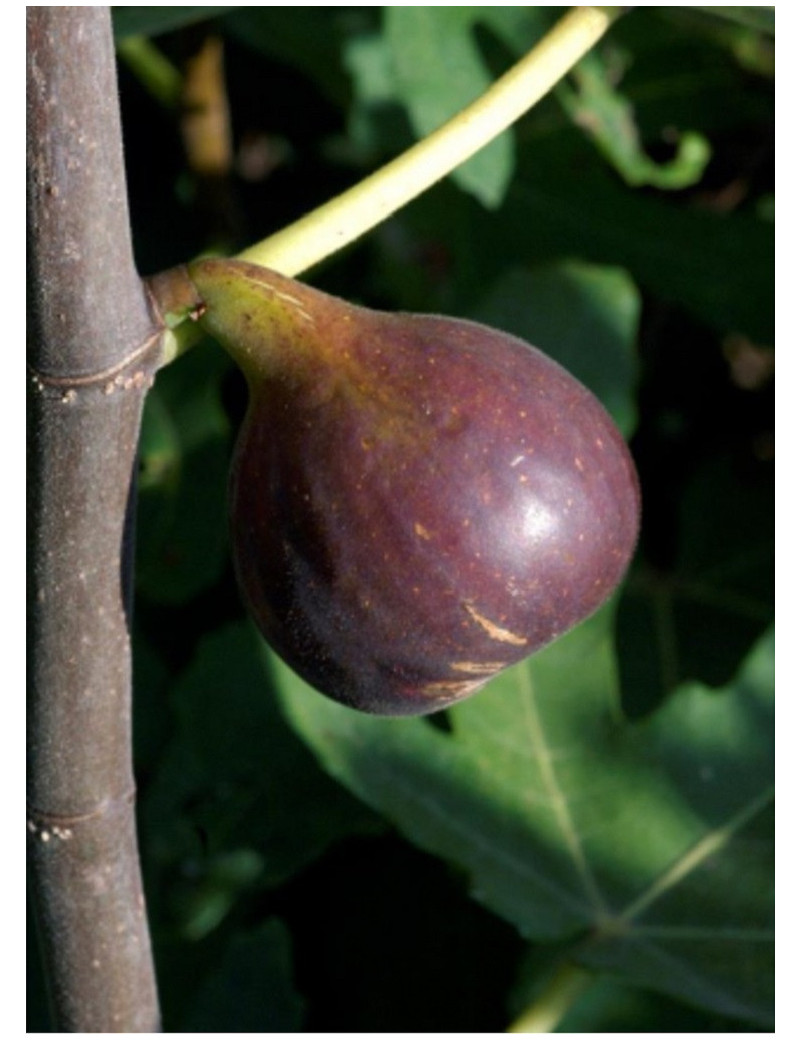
[350, 215]
[345, 218]
[564, 988]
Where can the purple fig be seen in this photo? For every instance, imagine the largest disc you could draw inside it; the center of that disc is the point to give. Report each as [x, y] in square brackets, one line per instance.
[417, 502]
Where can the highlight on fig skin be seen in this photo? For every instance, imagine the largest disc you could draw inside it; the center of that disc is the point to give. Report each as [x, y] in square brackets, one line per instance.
[417, 502]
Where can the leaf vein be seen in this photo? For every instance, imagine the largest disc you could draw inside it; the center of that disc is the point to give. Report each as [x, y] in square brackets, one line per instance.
[697, 854]
[559, 802]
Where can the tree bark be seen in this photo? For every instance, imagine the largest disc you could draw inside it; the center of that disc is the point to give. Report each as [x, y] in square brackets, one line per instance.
[93, 348]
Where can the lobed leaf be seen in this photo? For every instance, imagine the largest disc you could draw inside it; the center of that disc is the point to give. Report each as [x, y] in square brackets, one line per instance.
[648, 855]
[438, 71]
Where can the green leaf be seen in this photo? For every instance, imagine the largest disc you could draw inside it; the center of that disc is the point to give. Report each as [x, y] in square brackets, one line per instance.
[377, 124]
[584, 316]
[438, 71]
[609, 119]
[646, 848]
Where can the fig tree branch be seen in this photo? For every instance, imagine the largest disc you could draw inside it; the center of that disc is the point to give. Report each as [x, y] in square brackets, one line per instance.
[92, 350]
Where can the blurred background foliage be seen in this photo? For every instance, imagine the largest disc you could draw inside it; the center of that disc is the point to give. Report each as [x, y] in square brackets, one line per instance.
[308, 869]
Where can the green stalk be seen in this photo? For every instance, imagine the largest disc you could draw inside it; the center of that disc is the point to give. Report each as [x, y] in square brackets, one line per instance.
[350, 215]
[558, 996]
[347, 217]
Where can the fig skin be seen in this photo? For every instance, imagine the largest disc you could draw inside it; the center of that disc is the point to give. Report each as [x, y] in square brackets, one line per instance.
[417, 502]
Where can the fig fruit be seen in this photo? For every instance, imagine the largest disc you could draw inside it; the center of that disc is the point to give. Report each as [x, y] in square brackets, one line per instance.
[417, 502]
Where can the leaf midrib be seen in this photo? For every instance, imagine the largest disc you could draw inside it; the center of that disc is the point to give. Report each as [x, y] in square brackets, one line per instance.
[558, 801]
